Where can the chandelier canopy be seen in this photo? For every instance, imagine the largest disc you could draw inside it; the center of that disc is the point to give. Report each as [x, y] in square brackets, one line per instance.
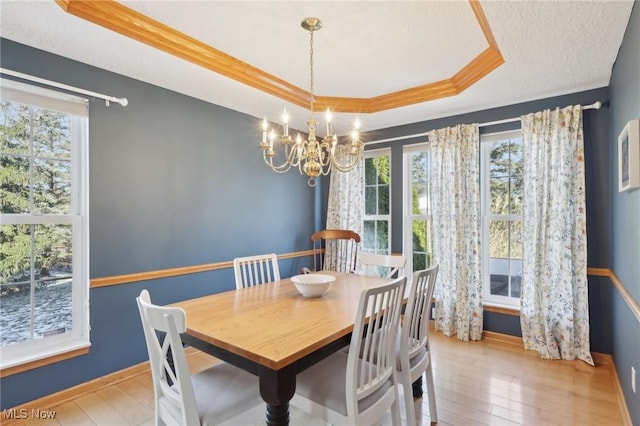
[311, 156]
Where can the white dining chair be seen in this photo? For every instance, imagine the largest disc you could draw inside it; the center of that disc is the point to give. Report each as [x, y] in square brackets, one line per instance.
[359, 387]
[413, 349]
[384, 265]
[213, 396]
[255, 270]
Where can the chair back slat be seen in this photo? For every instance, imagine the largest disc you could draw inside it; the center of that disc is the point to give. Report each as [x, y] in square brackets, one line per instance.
[415, 325]
[371, 360]
[255, 270]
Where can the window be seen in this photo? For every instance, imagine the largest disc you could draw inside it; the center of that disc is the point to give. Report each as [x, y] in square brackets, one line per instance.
[417, 226]
[502, 197]
[377, 213]
[43, 223]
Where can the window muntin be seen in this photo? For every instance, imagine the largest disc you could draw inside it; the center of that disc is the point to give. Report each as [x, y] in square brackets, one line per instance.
[377, 208]
[502, 197]
[417, 226]
[43, 223]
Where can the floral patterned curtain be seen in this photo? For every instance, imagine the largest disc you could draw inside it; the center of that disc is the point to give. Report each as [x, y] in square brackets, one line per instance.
[455, 206]
[346, 199]
[554, 300]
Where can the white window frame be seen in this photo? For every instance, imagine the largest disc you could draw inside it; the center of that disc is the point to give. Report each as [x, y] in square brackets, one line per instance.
[78, 338]
[489, 299]
[409, 217]
[373, 153]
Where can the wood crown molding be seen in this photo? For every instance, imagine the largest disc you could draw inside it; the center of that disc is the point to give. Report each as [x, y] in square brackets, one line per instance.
[116, 17]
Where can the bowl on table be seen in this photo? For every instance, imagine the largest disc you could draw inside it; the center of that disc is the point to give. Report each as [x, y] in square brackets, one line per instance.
[313, 285]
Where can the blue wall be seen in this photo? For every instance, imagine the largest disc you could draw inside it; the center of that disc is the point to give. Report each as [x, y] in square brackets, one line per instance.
[174, 182]
[625, 228]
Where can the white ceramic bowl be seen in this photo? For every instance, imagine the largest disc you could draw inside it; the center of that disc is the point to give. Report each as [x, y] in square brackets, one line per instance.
[313, 285]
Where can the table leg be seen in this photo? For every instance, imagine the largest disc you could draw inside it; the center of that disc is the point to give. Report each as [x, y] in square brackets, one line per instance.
[277, 388]
[417, 388]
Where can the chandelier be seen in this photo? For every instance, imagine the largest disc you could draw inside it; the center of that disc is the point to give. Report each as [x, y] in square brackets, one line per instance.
[311, 156]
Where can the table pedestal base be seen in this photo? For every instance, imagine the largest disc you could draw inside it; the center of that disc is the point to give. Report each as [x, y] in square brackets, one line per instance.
[277, 388]
[277, 414]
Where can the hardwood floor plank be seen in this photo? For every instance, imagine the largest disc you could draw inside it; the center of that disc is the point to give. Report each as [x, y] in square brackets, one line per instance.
[199, 361]
[99, 410]
[477, 383]
[70, 414]
[34, 420]
[134, 414]
[454, 418]
[140, 390]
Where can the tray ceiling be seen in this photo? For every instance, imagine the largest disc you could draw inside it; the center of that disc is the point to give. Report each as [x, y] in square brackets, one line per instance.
[365, 50]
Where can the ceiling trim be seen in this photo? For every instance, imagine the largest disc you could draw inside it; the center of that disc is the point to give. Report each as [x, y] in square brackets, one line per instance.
[123, 20]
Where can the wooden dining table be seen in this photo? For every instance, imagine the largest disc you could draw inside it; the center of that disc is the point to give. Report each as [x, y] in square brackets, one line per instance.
[274, 332]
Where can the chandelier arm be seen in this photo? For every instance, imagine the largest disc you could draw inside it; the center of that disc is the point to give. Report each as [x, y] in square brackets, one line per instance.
[326, 170]
[345, 167]
[327, 159]
[284, 167]
[291, 159]
[297, 154]
[349, 165]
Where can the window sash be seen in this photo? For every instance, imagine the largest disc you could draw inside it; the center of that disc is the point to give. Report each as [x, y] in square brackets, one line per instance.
[488, 217]
[409, 217]
[377, 217]
[78, 337]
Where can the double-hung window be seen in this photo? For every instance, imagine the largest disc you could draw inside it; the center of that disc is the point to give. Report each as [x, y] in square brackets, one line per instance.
[44, 277]
[502, 197]
[417, 224]
[377, 213]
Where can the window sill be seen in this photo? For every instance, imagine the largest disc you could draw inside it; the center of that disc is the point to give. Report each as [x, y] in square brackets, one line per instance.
[501, 309]
[41, 362]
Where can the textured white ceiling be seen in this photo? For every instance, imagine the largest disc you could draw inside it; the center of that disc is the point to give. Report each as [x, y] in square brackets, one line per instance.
[364, 49]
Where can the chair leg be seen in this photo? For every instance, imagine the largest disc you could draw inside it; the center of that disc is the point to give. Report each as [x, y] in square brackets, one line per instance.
[395, 408]
[408, 399]
[433, 412]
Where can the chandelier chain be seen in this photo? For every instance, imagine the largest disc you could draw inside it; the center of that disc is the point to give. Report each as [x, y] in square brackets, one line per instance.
[311, 100]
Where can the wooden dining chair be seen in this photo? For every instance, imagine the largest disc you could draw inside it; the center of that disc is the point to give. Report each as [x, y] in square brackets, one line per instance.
[335, 250]
[213, 396]
[359, 387]
[382, 265]
[255, 270]
[414, 352]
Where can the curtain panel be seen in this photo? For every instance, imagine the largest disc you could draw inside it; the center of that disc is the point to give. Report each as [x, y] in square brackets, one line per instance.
[455, 206]
[554, 300]
[345, 207]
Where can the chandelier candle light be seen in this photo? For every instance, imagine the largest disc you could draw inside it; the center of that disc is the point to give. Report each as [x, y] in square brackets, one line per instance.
[311, 156]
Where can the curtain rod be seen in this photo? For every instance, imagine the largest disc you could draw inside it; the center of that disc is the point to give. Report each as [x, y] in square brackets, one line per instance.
[595, 105]
[122, 101]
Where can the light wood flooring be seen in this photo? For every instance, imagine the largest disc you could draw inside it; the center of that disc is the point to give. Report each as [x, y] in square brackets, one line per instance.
[479, 383]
